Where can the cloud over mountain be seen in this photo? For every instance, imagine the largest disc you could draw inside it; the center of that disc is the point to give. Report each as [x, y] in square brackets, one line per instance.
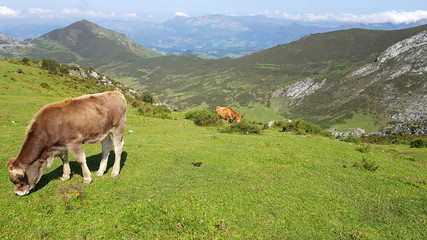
[8, 12]
[181, 14]
[392, 16]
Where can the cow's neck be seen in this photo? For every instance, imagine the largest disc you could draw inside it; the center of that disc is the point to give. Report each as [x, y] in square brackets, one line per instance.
[34, 146]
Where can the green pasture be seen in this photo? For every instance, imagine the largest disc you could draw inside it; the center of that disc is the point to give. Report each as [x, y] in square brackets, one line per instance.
[272, 185]
[258, 112]
[364, 121]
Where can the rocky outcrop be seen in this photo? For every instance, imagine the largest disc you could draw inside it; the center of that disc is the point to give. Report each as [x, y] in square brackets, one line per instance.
[404, 99]
[10, 43]
[352, 132]
[407, 56]
[298, 90]
[102, 80]
[414, 128]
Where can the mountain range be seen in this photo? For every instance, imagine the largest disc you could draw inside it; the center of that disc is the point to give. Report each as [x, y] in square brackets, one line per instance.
[326, 78]
[209, 36]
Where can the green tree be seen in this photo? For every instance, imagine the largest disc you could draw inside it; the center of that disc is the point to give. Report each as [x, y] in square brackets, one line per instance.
[25, 60]
[51, 65]
[147, 97]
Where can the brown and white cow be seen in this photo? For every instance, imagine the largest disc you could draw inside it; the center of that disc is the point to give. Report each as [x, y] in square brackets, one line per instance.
[63, 126]
[227, 113]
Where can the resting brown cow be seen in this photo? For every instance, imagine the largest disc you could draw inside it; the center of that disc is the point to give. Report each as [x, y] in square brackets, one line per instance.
[227, 113]
[67, 125]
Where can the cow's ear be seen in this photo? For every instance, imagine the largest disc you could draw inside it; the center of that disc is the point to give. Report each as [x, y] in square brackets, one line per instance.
[17, 173]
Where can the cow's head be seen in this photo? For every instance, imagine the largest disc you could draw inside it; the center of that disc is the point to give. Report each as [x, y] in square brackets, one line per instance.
[25, 179]
[238, 117]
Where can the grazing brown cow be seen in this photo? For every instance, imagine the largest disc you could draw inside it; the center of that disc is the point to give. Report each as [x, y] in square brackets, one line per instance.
[67, 125]
[227, 113]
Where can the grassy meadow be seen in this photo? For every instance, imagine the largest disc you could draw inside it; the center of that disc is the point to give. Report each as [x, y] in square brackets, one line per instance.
[272, 185]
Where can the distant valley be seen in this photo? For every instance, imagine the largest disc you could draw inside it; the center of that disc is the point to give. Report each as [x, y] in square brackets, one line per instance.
[326, 78]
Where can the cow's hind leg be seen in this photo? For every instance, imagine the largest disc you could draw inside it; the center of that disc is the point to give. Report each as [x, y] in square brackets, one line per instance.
[118, 147]
[66, 170]
[79, 155]
[106, 147]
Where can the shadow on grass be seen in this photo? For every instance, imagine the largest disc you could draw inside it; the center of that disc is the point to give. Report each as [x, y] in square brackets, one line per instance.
[92, 163]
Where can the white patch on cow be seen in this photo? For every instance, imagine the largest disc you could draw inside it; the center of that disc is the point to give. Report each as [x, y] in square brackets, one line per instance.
[22, 193]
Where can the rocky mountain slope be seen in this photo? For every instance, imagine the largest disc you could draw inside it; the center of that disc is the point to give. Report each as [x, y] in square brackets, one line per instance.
[394, 84]
[403, 68]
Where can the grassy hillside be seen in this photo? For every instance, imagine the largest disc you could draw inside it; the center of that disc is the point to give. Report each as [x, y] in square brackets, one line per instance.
[345, 45]
[268, 186]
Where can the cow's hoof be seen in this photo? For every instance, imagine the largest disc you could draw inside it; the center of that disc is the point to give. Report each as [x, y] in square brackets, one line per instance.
[99, 174]
[114, 175]
[65, 178]
[87, 181]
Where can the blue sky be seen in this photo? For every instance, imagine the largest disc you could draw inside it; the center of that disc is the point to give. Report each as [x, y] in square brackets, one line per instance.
[396, 11]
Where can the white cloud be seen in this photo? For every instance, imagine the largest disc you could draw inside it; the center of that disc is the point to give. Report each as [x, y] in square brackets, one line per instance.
[392, 16]
[389, 16]
[89, 13]
[8, 12]
[70, 11]
[131, 15]
[65, 13]
[181, 14]
[41, 13]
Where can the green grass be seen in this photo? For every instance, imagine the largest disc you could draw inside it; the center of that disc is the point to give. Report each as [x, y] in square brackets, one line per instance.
[258, 112]
[364, 121]
[268, 186]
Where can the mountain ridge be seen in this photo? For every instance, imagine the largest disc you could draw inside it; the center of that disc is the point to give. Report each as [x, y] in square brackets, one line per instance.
[84, 43]
[212, 35]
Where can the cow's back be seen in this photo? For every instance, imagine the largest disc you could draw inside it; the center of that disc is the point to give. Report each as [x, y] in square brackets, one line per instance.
[84, 118]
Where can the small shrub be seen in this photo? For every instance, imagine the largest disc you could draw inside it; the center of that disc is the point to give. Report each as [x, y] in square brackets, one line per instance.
[44, 85]
[25, 60]
[149, 110]
[147, 97]
[64, 69]
[367, 164]
[389, 139]
[243, 126]
[302, 127]
[362, 149]
[73, 67]
[135, 104]
[419, 143]
[351, 139]
[203, 118]
[51, 65]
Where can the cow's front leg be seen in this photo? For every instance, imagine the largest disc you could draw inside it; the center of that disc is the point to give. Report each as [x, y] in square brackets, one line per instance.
[66, 171]
[79, 155]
